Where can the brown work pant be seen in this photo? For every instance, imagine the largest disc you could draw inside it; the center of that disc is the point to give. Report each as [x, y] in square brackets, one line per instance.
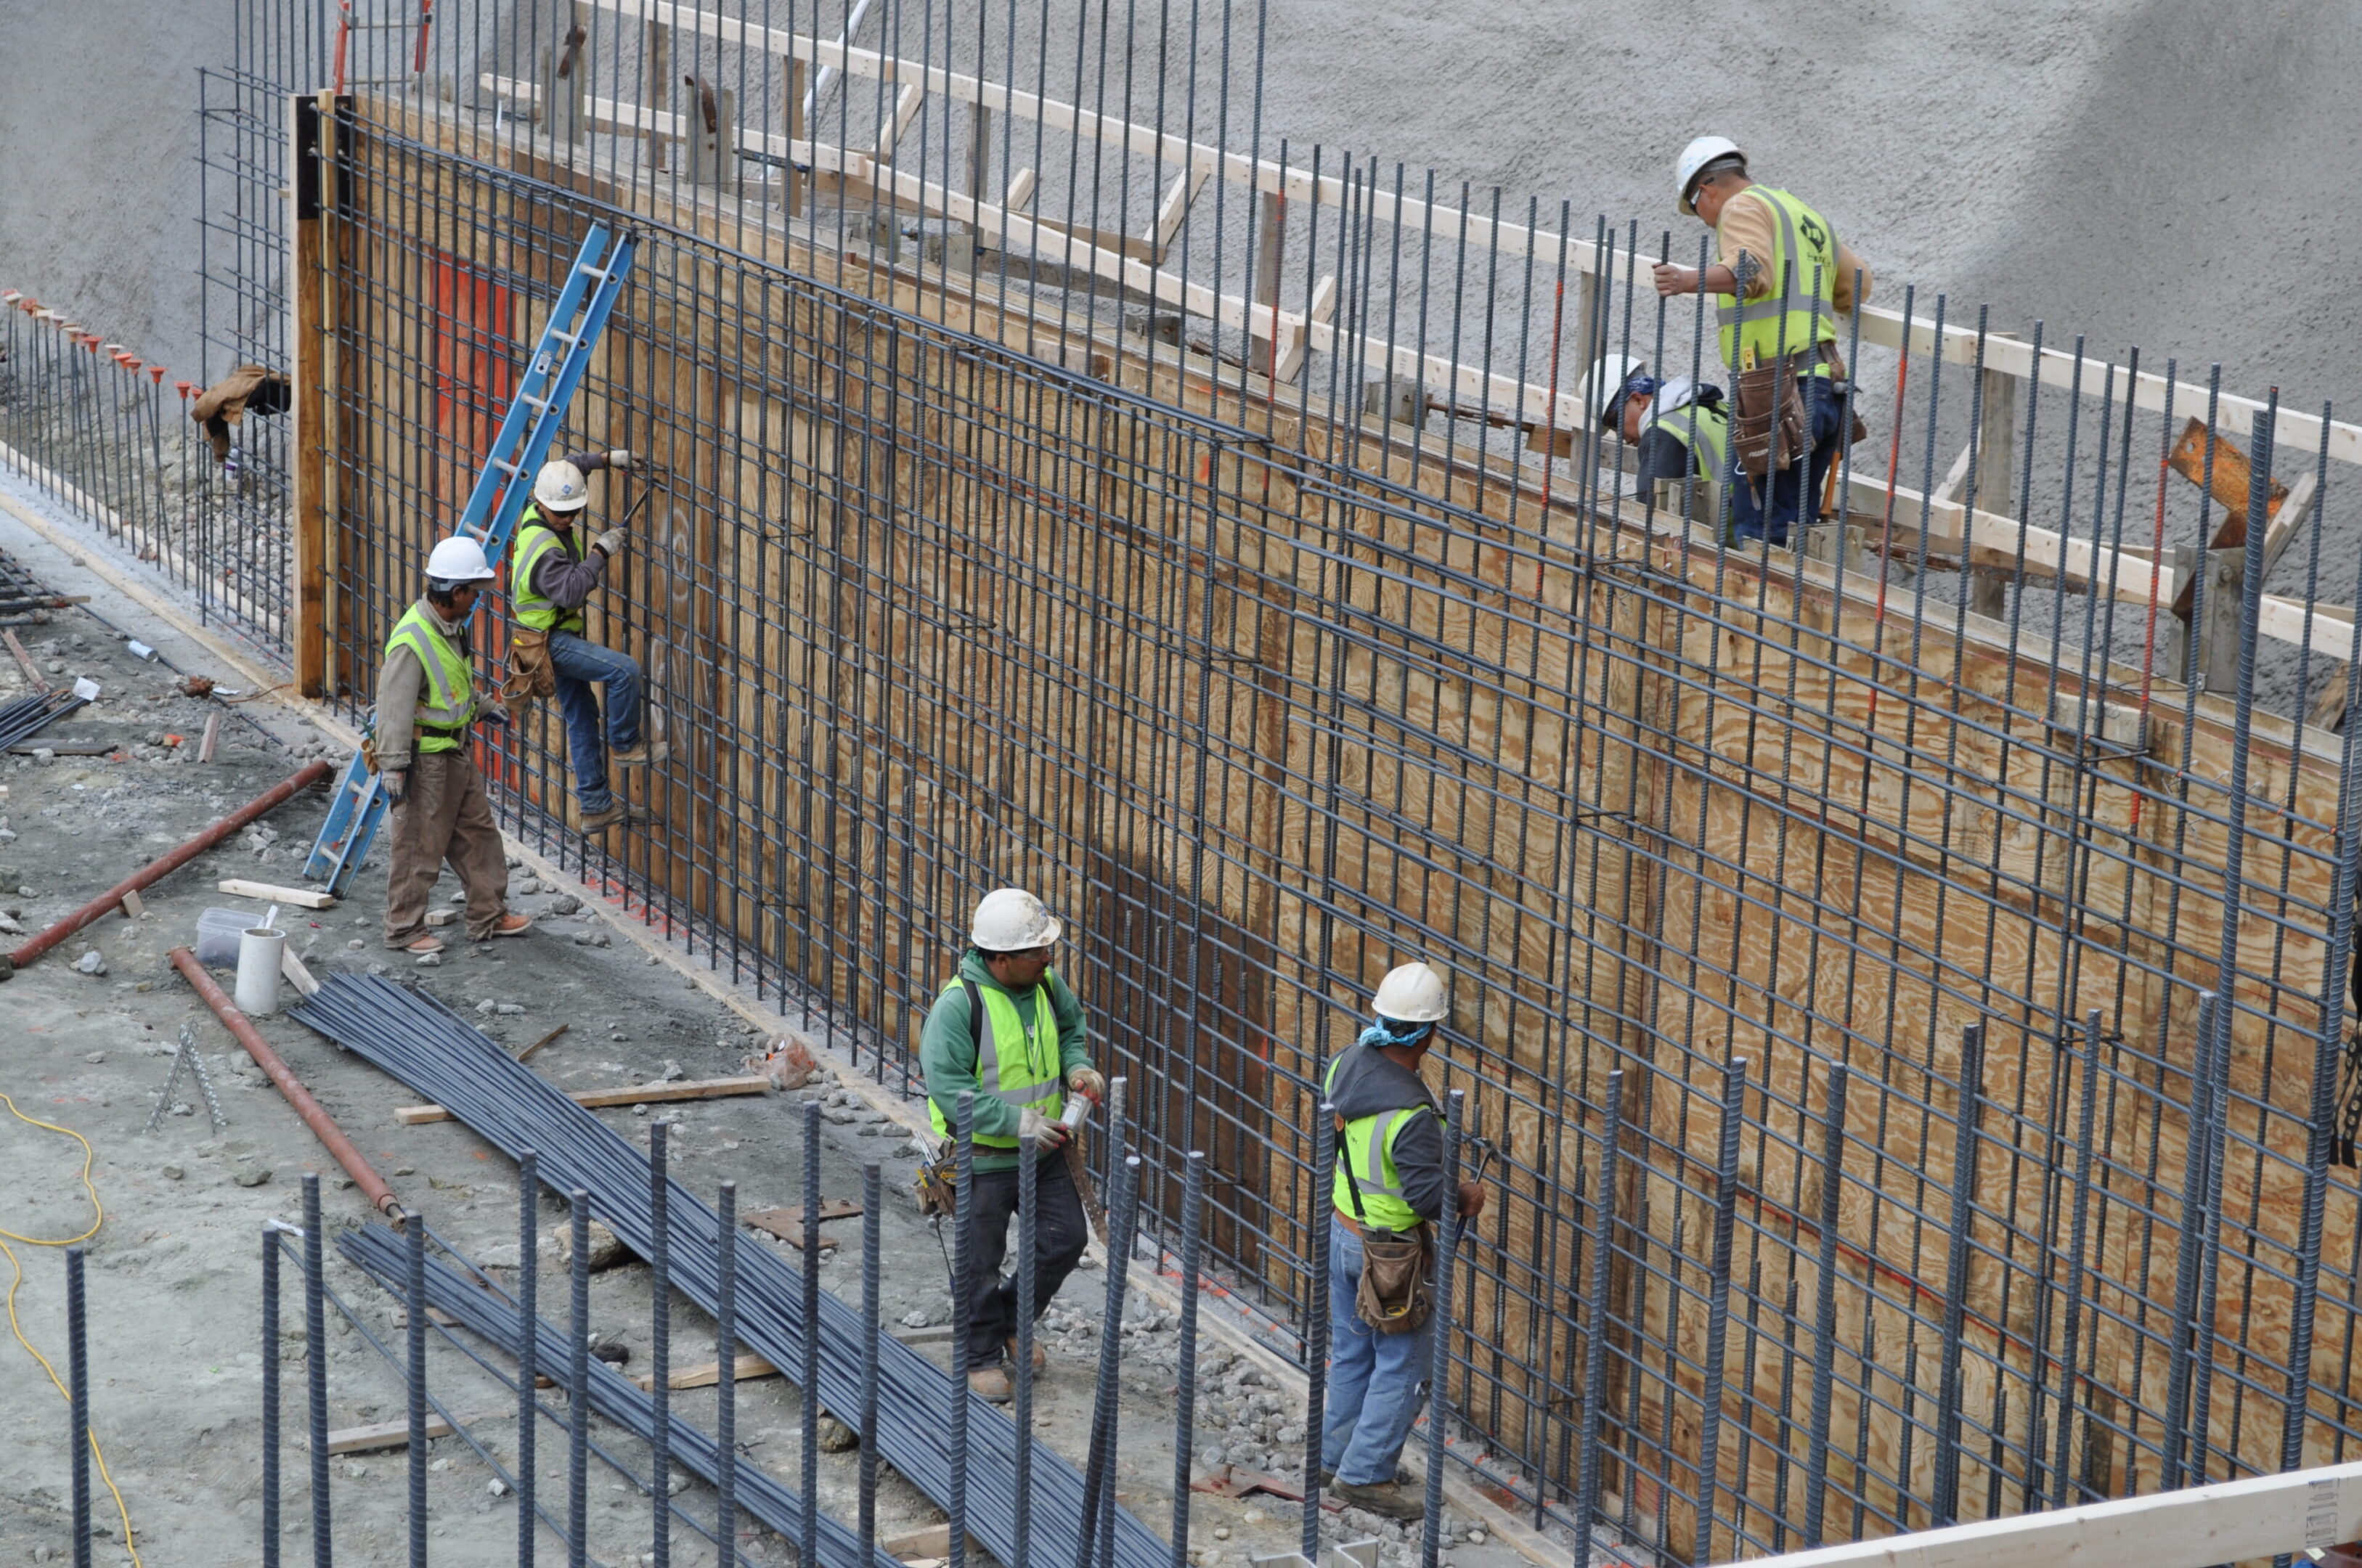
[445, 817]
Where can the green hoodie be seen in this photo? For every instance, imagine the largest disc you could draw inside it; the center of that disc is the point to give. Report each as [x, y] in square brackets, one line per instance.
[949, 1060]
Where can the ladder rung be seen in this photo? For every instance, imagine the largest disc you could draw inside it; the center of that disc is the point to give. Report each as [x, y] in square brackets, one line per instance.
[506, 468]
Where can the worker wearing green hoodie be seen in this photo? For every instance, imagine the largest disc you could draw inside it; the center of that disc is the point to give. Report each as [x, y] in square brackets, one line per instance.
[1008, 1030]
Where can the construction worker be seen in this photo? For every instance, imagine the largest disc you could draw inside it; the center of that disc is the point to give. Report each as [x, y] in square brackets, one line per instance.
[552, 571]
[425, 702]
[1678, 426]
[1389, 1187]
[1782, 281]
[1008, 1030]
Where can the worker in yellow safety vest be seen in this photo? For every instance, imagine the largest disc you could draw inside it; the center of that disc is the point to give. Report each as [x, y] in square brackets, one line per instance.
[425, 703]
[1676, 427]
[1389, 1186]
[1783, 285]
[1008, 1030]
[553, 569]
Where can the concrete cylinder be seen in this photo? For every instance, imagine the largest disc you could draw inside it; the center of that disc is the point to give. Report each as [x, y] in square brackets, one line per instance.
[258, 950]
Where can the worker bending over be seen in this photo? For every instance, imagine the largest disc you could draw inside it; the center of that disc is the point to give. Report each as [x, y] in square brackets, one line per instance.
[1388, 1191]
[1008, 1030]
[552, 572]
[1780, 280]
[425, 702]
[1678, 427]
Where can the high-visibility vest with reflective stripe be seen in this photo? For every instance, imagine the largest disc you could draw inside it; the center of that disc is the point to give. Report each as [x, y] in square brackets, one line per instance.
[1365, 1145]
[1705, 431]
[1787, 320]
[535, 539]
[447, 701]
[1015, 1066]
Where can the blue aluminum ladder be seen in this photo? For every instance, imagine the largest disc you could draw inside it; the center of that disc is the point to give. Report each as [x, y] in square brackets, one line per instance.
[527, 431]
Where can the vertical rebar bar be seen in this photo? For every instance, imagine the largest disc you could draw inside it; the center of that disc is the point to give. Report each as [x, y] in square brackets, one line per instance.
[1945, 1506]
[1318, 1230]
[1029, 1222]
[1125, 1231]
[1824, 1305]
[873, 1198]
[962, 1224]
[1438, 1326]
[659, 1342]
[78, 1405]
[808, 1326]
[1594, 1333]
[2198, 1120]
[2077, 1234]
[725, 1355]
[271, 1395]
[528, 1295]
[1104, 1384]
[578, 1388]
[1717, 1316]
[1185, 1404]
[315, 1337]
[414, 1230]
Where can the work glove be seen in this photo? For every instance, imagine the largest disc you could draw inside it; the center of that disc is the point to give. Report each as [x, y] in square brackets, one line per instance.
[1086, 1081]
[1049, 1133]
[397, 785]
[492, 713]
[610, 543]
[620, 460]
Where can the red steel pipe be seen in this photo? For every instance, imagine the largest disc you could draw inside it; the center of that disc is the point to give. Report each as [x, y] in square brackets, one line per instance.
[355, 1166]
[262, 805]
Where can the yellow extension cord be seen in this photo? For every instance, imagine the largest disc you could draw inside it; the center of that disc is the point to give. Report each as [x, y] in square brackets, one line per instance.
[16, 1273]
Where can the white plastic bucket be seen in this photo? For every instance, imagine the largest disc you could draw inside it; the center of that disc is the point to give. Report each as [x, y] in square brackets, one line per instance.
[258, 950]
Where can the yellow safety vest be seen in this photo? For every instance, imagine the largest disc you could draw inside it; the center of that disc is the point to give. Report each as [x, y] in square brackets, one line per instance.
[1801, 309]
[446, 704]
[1017, 1066]
[535, 539]
[1365, 1146]
[1705, 431]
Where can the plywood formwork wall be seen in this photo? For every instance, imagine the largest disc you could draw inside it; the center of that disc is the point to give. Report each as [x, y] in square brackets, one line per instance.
[1265, 704]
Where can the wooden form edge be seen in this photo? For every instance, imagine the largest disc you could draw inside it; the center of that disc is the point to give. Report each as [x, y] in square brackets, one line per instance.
[2231, 1521]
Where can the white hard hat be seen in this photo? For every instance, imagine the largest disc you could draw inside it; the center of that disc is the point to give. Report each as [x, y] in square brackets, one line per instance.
[1607, 378]
[1411, 994]
[459, 559]
[1705, 149]
[560, 487]
[1011, 920]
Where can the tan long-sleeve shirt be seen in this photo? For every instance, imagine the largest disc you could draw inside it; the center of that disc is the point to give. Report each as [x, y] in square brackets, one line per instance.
[398, 681]
[1750, 229]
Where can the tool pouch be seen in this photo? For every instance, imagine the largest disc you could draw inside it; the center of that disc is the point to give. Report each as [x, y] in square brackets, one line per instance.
[1762, 443]
[937, 1183]
[531, 675]
[368, 752]
[1394, 1296]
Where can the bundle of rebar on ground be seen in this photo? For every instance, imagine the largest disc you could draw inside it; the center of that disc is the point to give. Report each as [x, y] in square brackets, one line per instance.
[21, 718]
[378, 1251]
[444, 1058]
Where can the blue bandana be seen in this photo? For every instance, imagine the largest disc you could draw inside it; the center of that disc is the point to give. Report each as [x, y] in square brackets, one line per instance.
[1394, 1032]
[1639, 383]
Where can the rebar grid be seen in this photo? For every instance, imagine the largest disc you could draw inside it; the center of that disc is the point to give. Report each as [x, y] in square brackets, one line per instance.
[1264, 714]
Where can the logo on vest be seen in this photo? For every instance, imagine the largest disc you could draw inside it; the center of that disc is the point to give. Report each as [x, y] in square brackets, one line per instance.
[1815, 235]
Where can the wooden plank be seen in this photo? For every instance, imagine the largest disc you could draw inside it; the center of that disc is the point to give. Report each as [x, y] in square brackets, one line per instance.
[2288, 521]
[297, 975]
[705, 1375]
[300, 898]
[638, 1093]
[133, 907]
[396, 1434]
[906, 109]
[788, 1224]
[308, 517]
[2229, 1522]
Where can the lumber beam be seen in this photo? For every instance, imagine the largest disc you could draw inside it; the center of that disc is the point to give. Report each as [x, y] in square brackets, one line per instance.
[705, 1375]
[300, 897]
[2232, 1521]
[633, 1094]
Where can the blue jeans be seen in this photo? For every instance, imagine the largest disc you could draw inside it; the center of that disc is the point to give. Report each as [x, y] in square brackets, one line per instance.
[579, 664]
[1795, 489]
[1373, 1379]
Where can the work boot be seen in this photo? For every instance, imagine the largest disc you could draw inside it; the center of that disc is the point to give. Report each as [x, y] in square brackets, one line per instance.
[992, 1383]
[1388, 1500]
[621, 811]
[1041, 1355]
[512, 925]
[424, 946]
[642, 755]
